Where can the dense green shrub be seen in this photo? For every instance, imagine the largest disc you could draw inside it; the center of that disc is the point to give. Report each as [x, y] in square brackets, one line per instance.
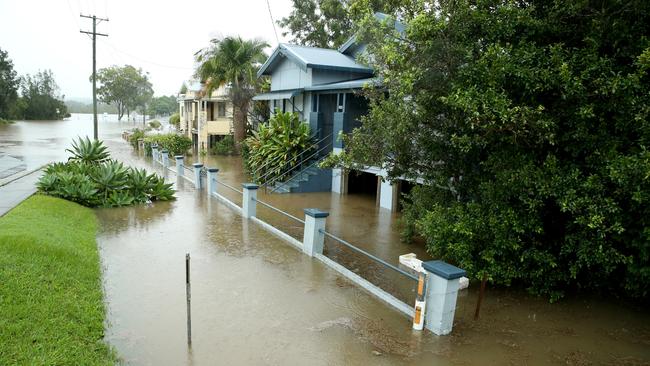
[175, 120]
[276, 146]
[529, 123]
[155, 124]
[135, 135]
[176, 144]
[225, 146]
[92, 179]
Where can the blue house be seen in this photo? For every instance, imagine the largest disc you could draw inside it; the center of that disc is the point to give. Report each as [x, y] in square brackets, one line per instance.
[320, 84]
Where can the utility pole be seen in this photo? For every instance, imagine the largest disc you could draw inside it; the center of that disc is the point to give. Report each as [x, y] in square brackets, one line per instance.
[94, 37]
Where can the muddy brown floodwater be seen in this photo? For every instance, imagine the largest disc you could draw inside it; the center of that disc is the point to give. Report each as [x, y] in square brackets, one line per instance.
[257, 300]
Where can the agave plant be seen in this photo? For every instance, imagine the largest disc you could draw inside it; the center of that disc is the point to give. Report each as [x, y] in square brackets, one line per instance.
[119, 199]
[47, 183]
[139, 183]
[160, 191]
[88, 151]
[110, 176]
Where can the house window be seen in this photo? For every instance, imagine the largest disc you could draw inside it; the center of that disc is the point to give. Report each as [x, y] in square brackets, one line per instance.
[221, 109]
[284, 105]
[340, 102]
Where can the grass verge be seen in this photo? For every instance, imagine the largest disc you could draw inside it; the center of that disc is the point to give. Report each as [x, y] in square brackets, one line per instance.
[51, 305]
[5, 122]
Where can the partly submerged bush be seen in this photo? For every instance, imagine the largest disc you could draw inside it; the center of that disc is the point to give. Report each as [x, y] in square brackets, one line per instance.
[175, 120]
[276, 146]
[174, 143]
[225, 146]
[155, 124]
[135, 135]
[92, 179]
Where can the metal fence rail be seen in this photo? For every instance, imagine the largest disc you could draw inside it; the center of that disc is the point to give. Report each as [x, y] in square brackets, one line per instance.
[279, 211]
[230, 187]
[374, 258]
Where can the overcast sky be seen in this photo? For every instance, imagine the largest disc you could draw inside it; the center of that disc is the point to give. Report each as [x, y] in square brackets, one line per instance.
[160, 37]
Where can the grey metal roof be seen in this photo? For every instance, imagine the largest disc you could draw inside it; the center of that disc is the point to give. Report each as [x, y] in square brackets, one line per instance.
[314, 57]
[351, 84]
[281, 94]
[352, 42]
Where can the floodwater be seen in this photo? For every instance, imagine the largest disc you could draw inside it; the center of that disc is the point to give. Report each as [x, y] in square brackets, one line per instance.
[257, 300]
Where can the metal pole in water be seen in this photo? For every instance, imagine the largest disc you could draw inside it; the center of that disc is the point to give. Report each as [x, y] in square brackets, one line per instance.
[420, 303]
[188, 291]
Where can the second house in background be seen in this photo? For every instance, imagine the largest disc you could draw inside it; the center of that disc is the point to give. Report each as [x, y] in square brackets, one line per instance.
[205, 119]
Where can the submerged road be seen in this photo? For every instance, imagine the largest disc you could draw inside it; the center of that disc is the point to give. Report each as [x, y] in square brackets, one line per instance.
[257, 300]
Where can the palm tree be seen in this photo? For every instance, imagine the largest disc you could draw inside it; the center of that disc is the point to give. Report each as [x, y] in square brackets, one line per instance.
[233, 61]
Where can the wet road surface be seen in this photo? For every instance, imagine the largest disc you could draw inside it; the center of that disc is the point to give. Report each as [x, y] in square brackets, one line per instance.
[257, 300]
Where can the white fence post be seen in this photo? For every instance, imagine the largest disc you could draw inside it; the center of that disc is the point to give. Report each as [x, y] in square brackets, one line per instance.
[442, 291]
[179, 165]
[197, 175]
[165, 158]
[313, 239]
[154, 152]
[212, 180]
[249, 203]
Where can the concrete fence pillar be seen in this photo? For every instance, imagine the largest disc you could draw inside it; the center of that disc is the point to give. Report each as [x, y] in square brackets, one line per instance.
[154, 152]
[197, 175]
[313, 240]
[179, 165]
[141, 144]
[212, 180]
[165, 158]
[442, 291]
[249, 203]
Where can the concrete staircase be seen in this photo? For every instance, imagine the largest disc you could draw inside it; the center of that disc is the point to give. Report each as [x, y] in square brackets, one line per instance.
[310, 179]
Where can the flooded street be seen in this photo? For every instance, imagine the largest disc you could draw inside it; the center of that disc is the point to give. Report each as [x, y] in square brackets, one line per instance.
[258, 300]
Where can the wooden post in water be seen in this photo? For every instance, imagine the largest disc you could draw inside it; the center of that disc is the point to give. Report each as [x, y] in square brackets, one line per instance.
[188, 293]
[481, 294]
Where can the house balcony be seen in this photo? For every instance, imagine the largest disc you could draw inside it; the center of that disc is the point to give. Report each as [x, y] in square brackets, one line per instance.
[222, 126]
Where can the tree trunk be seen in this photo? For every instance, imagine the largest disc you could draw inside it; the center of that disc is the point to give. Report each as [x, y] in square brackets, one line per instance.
[240, 109]
[120, 111]
[481, 294]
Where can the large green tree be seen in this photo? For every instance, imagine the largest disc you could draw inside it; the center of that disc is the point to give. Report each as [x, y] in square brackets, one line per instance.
[125, 87]
[9, 83]
[329, 23]
[529, 123]
[233, 61]
[163, 106]
[40, 97]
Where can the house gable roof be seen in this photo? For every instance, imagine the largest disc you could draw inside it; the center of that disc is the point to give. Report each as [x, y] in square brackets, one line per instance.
[351, 44]
[312, 57]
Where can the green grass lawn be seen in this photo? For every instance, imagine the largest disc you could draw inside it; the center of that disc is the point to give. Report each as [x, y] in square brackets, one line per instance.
[51, 307]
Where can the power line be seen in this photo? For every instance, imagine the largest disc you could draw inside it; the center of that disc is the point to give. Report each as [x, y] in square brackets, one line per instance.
[147, 61]
[94, 34]
[268, 6]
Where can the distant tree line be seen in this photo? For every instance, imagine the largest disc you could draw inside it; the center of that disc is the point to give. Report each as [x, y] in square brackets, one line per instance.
[30, 97]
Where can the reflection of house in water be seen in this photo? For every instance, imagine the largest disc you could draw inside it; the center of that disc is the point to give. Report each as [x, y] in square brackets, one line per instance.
[204, 119]
[320, 85]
